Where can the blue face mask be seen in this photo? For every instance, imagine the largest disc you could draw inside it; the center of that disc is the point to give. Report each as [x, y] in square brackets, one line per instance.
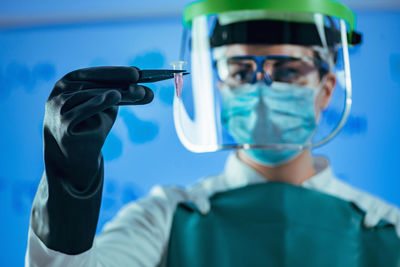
[280, 114]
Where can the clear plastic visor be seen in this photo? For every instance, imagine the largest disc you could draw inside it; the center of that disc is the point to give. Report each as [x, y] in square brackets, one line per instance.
[262, 80]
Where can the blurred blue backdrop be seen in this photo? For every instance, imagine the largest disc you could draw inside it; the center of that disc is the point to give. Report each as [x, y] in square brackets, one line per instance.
[41, 42]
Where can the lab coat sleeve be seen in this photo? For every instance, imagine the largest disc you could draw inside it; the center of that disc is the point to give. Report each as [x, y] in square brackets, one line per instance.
[137, 236]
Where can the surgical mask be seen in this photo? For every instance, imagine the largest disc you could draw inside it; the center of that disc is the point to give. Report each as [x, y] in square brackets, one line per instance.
[278, 114]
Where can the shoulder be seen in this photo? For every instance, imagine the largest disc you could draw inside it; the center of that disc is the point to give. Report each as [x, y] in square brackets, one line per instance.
[376, 209]
[161, 202]
[361, 198]
[172, 195]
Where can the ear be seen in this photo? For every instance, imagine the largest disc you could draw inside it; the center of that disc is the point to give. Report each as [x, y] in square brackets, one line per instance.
[327, 90]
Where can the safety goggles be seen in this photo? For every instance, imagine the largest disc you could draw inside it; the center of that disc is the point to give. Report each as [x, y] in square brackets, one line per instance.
[239, 70]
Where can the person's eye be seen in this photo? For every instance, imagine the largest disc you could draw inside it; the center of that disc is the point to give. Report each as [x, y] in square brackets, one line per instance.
[241, 75]
[286, 74]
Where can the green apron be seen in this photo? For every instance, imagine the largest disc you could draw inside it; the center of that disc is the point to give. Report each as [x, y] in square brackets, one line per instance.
[276, 224]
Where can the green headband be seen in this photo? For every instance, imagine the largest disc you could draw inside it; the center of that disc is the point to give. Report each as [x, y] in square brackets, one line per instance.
[324, 7]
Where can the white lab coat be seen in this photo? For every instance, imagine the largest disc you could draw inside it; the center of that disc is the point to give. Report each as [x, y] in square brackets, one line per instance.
[138, 235]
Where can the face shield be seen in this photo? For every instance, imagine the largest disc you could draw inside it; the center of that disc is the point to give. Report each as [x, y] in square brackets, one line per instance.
[262, 78]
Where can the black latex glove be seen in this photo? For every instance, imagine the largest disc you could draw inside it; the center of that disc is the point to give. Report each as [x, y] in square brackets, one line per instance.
[80, 113]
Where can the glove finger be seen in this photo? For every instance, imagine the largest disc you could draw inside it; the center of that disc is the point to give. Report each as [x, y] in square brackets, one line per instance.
[65, 86]
[136, 95]
[130, 96]
[91, 107]
[93, 129]
[109, 74]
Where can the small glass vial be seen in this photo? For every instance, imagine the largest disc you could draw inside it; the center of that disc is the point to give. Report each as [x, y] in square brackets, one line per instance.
[178, 65]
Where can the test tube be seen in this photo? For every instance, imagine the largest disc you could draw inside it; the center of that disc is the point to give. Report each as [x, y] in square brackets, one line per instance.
[178, 65]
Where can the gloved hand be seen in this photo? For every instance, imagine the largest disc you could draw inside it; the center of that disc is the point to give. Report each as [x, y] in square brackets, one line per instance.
[80, 113]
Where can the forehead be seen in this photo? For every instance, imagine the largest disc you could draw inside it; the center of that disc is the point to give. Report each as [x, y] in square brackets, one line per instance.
[261, 50]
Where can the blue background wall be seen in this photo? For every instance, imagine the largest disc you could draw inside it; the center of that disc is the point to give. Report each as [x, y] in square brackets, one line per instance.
[34, 54]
